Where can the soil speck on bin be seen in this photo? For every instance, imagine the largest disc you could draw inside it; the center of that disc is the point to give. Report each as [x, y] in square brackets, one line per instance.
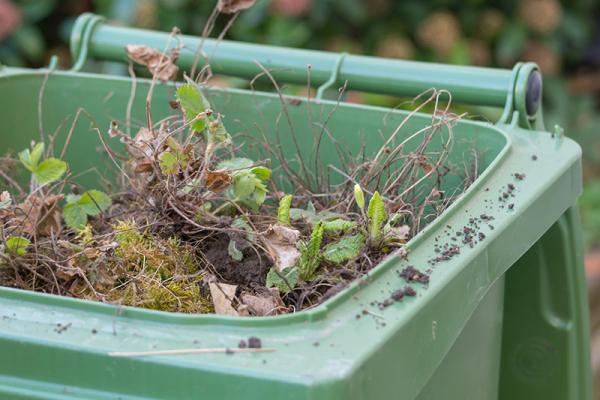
[411, 274]
[254, 342]
[60, 328]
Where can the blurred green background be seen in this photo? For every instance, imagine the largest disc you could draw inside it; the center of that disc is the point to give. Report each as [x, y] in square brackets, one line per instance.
[562, 37]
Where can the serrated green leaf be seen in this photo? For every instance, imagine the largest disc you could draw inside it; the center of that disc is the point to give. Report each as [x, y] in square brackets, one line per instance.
[244, 185]
[236, 163]
[359, 196]
[75, 217]
[31, 158]
[345, 249]
[168, 163]
[338, 225]
[49, 170]
[233, 251]
[72, 198]
[193, 103]
[377, 216]
[262, 173]
[275, 280]
[283, 211]
[17, 245]
[93, 202]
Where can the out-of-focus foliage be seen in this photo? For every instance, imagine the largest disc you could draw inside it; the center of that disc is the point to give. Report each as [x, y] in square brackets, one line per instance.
[563, 37]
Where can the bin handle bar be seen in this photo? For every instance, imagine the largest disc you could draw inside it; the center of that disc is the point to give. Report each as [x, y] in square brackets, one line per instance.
[93, 38]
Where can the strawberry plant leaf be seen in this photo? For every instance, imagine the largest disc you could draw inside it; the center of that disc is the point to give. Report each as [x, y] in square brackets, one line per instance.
[75, 217]
[49, 170]
[262, 173]
[79, 207]
[236, 163]
[168, 163]
[31, 158]
[284, 285]
[93, 202]
[244, 185]
[17, 245]
[193, 102]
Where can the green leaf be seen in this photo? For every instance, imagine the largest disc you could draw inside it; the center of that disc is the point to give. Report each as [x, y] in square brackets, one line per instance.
[242, 223]
[78, 207]
[193, 103]
[344, 250]
[359, 196]
[93, 202]
[338, 225]
[274, 280]
[377, 216]
[283, 212]
[309, 253]
[233, 251]
[235, 163]
[75, 216]
[259, 196]
[17, 245]
[262, 173]
[49, 170]
[244, 185]
[30, 159]
[316, 238]
[168, 163]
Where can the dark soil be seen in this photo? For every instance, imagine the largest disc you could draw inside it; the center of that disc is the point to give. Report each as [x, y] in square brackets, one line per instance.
[251, 270]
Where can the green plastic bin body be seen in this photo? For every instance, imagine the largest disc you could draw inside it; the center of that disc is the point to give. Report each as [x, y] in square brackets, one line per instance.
[506, 319]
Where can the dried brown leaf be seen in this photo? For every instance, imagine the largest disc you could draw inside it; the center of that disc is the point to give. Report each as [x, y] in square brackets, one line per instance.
[268, 303]
[233, 6]
[38, 216]
[217, 181]
[160, 65]
[280, 242]
[222, 295]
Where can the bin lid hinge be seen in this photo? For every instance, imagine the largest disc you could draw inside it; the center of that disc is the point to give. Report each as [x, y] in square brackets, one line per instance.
[523, 107]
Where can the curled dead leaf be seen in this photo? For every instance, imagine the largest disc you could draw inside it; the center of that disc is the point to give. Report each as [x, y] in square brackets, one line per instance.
[160, 65]
[233, 6]
[222, 296]
[280, 242]
[268, 303]
[91, 252]
[38, 216]
[217, 181]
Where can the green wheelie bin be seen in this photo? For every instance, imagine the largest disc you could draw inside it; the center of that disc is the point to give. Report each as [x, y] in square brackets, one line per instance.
[506, 318]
